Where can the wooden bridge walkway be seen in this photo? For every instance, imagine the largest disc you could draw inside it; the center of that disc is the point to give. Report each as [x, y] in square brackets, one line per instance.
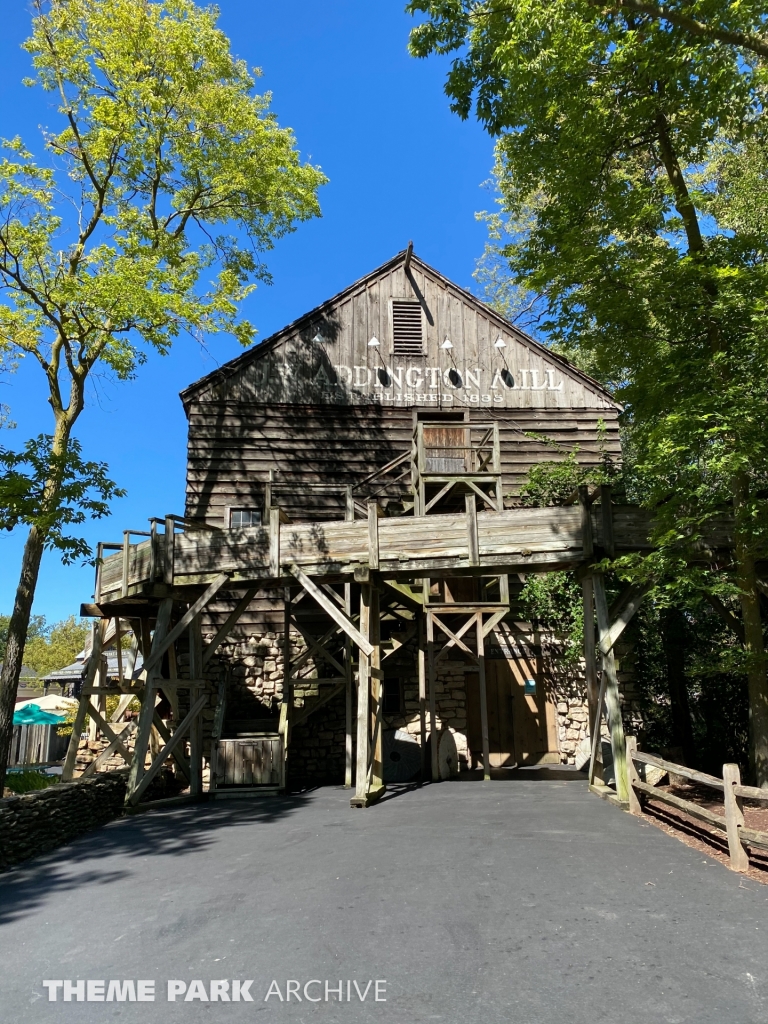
[472, 543]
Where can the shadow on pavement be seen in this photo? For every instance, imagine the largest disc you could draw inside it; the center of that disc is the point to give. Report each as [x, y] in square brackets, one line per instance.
[167, 832]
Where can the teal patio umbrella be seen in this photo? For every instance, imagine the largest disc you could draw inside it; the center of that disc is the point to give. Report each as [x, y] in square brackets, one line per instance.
[33, 715]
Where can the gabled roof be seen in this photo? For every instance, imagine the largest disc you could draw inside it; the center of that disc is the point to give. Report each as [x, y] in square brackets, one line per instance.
[258, 351]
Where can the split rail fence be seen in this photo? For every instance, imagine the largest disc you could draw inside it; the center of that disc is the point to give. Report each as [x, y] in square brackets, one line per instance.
[731, 822]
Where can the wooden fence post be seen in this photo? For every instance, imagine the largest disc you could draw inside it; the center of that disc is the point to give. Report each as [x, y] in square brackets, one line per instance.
[635, 807]
[734, 818]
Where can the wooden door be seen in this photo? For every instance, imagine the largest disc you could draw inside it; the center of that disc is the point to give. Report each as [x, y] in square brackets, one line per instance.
[533, 707]
[445, 449]
[501, 733]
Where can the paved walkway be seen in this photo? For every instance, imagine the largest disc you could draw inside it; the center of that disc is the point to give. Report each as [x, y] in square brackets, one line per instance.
[525, 902]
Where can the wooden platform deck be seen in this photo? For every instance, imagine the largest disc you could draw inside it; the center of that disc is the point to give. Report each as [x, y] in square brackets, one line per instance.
[475, 543]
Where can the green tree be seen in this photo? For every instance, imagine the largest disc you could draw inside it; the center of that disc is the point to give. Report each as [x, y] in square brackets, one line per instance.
[630, 157]
[58, 646]
[165, 182]
[35, 629]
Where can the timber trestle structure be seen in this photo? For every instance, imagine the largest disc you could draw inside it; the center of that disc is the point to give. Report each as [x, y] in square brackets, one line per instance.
[158, 584]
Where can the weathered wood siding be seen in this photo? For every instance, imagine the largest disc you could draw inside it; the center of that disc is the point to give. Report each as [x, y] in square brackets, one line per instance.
[326, 357]
[232, 448]
[317, 404]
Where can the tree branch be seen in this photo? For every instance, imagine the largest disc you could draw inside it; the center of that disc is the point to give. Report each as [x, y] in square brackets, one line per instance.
[661, 12]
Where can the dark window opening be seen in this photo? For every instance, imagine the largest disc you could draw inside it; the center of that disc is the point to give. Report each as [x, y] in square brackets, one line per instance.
[392, 697]
[406, 328]
[239, 517]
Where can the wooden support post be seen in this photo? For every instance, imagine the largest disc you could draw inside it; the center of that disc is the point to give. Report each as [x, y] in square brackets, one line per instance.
[98, 631]
[349, 679]
[268, 489]
[373, 534]
[154, 659]
[635, 807]
[363, 703]
[274, 543]
[611, 690]
[377, 698]
[483, 698]
[422, 695]
[587, 542]
[97, 703]
[231, 621]
[170, 545]
[287, 704]
[607, 521]
[590, 659]
[432, 682]
[126, 562]
[734, 818]
[196, 726]
[119, 652]
[148, 704]
[473, 548]
[333, 610]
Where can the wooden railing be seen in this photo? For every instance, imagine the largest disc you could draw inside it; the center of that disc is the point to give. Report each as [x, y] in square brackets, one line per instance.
[731, 822]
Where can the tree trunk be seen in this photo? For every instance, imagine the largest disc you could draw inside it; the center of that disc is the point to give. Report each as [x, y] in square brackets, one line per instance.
[17, 637]
[757, 681]
[673, 641]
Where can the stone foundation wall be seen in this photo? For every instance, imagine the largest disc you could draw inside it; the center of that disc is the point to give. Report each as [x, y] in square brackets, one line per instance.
[34, 823]
[253, 667]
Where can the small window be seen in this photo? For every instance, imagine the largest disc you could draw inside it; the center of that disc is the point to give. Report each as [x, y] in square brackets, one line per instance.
[244, 517]
[406, 328]
[392, 697]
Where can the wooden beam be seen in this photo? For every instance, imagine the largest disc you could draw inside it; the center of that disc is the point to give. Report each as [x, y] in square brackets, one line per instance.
[335, 613]
[455, 638]
[408, 254]
[314, 647]
[606, 510]
[274, 542]
[169, 550]
[349, 686]
[404, 590]
[628, 604]
[431, 674]
[110, 734]
[231, 621]
[165, 736]
[373, 534]
[422, 666]
[612, 698]
[196, 728]
[148, 702]
[494, 620]
[159, 649]
[98, 631]
[377, 694]
[363, 699]
[590, 655]
[483, 698]
[108, 751]
[587, 543]
[473, 547]
[168, 749]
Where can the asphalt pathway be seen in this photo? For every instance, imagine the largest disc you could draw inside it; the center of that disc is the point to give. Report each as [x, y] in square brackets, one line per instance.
[525, 902]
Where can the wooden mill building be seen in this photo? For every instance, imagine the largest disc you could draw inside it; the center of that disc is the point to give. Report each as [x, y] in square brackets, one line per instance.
[407, 395]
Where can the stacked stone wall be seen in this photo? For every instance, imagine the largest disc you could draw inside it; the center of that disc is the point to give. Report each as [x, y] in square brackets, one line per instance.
[34, 823]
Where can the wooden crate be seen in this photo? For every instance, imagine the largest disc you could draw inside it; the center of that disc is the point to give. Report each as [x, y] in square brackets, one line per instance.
[248, 761]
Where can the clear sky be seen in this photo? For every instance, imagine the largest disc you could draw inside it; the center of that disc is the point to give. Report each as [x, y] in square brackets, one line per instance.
[401, 166]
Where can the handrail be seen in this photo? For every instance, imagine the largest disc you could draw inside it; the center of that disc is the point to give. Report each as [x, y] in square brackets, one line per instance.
[740, 838]
[679, 769]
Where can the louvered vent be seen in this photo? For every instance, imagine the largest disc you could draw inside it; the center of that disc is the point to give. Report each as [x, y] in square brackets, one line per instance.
[406, 327]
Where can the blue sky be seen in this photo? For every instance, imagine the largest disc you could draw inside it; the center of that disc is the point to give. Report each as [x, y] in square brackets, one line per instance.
[401, 166]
